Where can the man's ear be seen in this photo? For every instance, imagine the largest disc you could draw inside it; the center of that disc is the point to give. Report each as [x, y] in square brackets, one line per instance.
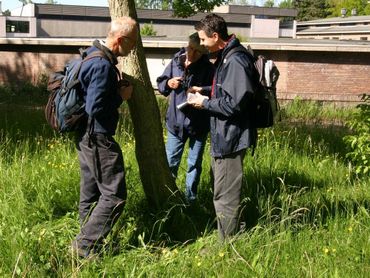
[115, 45]
[119, 40]
[215, 36]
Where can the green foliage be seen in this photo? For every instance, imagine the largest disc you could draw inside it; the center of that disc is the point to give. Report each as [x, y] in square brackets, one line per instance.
[241, 38]
[148, 30]
[286, 4]
[7, 12]
[185, 8]
[152, 4]
[316, 112]
[306, 212]
[181, 8]
[335, 6]
[269, 3]
[359, 143]
[311, 9]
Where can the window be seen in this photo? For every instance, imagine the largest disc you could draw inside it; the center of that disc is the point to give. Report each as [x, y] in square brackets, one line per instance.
[13, 26]
[363, 38]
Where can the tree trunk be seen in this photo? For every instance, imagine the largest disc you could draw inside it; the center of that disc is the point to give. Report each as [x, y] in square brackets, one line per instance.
[159, 185]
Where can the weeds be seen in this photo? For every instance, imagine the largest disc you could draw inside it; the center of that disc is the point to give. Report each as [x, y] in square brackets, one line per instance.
[306, 211]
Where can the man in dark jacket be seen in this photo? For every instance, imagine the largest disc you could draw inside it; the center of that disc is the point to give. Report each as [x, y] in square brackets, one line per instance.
[189, 67]
[102, 186]
[231, 132]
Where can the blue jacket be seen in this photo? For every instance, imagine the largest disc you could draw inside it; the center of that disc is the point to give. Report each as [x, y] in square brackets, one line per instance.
[188, 121]
[234, 85]
[99, 82]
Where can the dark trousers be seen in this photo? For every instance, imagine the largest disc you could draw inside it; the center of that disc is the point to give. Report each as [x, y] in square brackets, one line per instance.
[228, 178]
[102, 188]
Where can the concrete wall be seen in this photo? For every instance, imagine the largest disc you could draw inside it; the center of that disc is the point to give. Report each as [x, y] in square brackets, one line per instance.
[318, 74]
[50, 28]
[264, 28]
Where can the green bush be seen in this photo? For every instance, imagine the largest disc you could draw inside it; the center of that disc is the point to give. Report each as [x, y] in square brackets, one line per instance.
[359, 142]
[148, 30]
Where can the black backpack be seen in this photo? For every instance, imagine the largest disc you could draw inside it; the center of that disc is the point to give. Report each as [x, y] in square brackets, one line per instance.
[265, 106]
[65, 109]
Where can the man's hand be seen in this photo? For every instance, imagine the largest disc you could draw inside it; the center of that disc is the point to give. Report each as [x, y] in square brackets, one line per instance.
[174, 82]
[194, 89]
[125, 92]
[196, 100]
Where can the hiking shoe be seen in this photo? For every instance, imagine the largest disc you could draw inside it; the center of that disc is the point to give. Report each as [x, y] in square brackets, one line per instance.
[82, 253]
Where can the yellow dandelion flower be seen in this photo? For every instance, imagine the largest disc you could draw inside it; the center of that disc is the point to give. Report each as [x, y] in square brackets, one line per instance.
[350, 229]
[326, 250]
[221, 254]
[199, 264]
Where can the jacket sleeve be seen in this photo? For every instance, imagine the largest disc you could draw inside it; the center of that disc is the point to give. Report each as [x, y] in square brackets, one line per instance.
[163, 79]
[236, 85]
[206, 90]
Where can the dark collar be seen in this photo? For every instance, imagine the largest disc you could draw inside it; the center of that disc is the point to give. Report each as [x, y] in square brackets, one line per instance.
[107, 52]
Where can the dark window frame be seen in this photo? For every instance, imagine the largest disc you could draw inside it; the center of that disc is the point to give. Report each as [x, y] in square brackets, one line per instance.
[18, 26]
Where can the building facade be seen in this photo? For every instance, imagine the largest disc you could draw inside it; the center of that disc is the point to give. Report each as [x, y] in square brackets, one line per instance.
[322, 70]
[339, 28]
[70, 21]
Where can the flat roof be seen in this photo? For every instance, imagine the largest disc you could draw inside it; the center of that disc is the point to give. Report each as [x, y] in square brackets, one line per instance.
[336, 20]
[355, 29]
[257, 44]
[237, 13]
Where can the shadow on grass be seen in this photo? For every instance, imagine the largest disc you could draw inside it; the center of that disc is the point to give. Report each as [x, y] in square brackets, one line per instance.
[180, 224]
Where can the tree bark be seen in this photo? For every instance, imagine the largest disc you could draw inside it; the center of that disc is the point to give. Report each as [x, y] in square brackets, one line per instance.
[159, 185]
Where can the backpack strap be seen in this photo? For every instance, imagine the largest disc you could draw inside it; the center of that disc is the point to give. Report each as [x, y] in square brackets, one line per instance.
[242, 49]
[99, 53]
[259, 63]
[89, 56]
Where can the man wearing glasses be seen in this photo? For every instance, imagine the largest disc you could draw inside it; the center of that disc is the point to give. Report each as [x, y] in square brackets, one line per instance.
[102, 186]
[189, 67]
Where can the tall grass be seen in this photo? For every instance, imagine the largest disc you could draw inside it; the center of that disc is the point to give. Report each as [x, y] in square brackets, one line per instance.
[305, 212]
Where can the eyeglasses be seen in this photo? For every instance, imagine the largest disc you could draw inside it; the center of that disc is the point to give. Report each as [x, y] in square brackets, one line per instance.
[133, 41]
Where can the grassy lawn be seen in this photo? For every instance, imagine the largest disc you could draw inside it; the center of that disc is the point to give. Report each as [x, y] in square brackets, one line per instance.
[305, 212]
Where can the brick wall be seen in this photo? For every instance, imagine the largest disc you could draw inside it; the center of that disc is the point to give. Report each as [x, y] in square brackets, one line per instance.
[327, 76]
[317, 75]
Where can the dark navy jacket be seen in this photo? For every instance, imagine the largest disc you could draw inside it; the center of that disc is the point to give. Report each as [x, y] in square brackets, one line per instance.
[189, 121]
[234, 85]
[99, 82]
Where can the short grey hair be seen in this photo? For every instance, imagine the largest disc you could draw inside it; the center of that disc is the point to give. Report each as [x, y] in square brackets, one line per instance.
[122, 26]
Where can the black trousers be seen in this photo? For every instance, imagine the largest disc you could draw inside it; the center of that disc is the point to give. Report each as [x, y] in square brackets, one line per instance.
[102, 188]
